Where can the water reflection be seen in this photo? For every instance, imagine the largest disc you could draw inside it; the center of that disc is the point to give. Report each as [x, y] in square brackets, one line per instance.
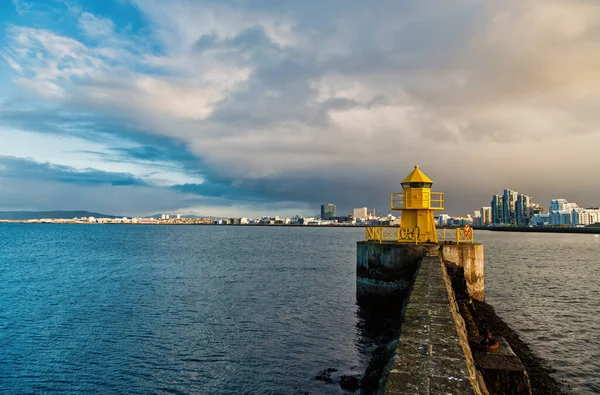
[378, 327]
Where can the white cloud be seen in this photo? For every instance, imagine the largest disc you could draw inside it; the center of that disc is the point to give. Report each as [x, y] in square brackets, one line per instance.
[21, 6]
[94, 26]
[81, 154]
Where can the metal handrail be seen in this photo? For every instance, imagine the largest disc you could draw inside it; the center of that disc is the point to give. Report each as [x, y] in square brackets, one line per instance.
[436, 201]
[394, 234]
[458, 235]
[405, 235]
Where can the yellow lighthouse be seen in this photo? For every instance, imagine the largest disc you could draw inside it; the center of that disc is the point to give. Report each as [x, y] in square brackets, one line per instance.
[417, 203]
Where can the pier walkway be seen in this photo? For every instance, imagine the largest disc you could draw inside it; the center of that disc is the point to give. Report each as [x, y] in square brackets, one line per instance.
[433, 355]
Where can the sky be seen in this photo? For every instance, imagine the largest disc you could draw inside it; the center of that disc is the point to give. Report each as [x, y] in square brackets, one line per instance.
[235, 108]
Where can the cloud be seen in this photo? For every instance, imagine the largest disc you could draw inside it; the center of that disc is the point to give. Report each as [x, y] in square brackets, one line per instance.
[23, 169]
[106, 154]
[304, 102]
[21, 6]
[94, 26]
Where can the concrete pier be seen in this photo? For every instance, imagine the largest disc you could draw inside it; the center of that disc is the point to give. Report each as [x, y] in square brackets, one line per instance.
[433, 353]
[387, 268]
[469, 256]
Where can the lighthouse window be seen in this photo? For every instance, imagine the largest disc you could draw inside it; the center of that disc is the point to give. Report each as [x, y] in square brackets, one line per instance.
[416, 185]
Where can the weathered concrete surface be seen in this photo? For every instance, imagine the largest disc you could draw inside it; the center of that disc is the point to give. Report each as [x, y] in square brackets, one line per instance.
[502, 370]
[384, 268]
[470, 257]
[431, 356]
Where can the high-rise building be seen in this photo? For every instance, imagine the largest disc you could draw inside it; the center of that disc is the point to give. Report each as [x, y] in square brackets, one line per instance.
[557, 204]
[561, 204]
[327, 211]
[497, 209]
[523, 209]
[486, 216]
[513, 208]
[509, 201]
[360, 213]
[443, 219]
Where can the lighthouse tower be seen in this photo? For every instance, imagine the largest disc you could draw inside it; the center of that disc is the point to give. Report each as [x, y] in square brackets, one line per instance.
[417, 203]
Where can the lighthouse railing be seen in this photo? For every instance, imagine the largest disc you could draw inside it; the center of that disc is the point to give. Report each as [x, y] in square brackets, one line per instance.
[458, 235]
[392, 234]
[437, 200]
[397, 201]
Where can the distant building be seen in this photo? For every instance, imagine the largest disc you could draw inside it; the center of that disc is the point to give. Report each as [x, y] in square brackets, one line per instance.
[540, 219]
[557, 204]
[563, 213]
[512, 208]
[360, 213]
[486, 215]
[560, 217]
[523, 209]
[443, 219]
[561, 204]
[585, 216]
[509, 203]
[328, 211]
[497, 209]
[178, 216]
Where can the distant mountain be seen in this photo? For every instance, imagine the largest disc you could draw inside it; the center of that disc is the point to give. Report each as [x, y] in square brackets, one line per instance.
[25, 215]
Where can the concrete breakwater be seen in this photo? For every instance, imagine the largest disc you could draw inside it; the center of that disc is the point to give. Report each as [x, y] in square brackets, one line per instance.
[543, 229]
[442, 316]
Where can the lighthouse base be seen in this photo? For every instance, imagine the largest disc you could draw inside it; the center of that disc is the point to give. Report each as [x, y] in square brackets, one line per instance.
[387, 268]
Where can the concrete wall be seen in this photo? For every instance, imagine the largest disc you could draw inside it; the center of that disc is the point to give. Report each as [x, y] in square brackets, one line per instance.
[384, 268]
[469, 257]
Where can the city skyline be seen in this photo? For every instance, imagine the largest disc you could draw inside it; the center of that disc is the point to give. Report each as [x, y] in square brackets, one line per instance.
[330, 210]
[233, 109]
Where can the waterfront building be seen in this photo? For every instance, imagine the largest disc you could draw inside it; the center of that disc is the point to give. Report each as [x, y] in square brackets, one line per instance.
[512, 208]
[497, 209]
[557, 204]
[327, 211]
[360, 213]
[486, 216]
[443, 219]
[540, 219]
[584, 216]
[509, 203]
[560, 217]
[564, 213]
[523, 209]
